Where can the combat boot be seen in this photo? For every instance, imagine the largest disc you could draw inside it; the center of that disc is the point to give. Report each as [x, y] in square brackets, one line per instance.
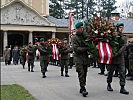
[123, 90]
[66, 74]
[23, 67]
[32, 69]
[109, 88]
[44, 76]
[28, 68]
[83, 91]
[62, 73]
[101, 73]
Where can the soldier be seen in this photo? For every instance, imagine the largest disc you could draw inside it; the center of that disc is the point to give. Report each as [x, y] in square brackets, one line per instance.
[130, 56]
[65, 57]
[118, 61]
[23, 56]
[15, 55]
[7, 55]
[80, 57]
[44, 55]
[31, 56]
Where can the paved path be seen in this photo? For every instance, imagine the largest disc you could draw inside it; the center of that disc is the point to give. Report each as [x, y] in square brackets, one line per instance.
[56, 87]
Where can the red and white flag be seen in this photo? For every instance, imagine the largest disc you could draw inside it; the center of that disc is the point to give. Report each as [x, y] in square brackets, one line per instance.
[105, 52]
[71, 23]
[55, 52]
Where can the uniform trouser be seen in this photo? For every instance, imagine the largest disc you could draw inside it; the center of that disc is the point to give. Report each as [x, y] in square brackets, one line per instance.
[121, 70]
[131, 66]
[71, 61]
[102, 67]
[6, 62]
[64, 63]
[82, 73]
[43, 64]
[30, 63]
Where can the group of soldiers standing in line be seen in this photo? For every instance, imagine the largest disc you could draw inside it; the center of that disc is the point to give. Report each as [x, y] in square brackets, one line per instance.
[81, 59]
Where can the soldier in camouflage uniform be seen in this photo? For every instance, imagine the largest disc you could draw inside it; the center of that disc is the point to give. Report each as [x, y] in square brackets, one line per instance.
[118, 61]
[65, 57]
[44, 55]
[130, 56]
[23, 56]
[80, 57]
[31, 56]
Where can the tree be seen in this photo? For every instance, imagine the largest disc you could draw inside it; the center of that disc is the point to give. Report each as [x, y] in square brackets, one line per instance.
[91, 10]
[107, 6]
[56, 9]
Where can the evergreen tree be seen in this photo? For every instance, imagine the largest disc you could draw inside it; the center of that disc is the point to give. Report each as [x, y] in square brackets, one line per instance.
[56, 9]
[107, 6]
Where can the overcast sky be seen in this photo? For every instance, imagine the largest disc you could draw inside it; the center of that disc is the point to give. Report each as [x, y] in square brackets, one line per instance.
[119, 2]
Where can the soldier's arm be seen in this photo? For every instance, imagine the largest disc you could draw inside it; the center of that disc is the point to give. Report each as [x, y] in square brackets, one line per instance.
[69, 50]
[42, 50]
[123, 48]
[77, 48]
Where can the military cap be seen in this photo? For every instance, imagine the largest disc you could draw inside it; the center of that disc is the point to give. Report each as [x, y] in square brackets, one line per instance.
[42, 39]
[119, 24]
[65, 39]
[79, 24]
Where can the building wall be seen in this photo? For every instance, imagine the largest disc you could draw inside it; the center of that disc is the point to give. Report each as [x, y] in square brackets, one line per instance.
[42, 6]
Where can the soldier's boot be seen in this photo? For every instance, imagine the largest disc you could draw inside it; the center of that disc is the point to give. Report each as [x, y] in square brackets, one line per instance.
[23, 67]
[123, 90]
[66, 74]
[44, 76]
[101, 73]
[83, 91]
[28, 68]
[32, 69]
[62, 73]
[109, 88]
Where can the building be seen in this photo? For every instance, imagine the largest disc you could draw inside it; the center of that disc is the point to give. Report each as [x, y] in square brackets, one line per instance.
[128, 23]
[24, 20]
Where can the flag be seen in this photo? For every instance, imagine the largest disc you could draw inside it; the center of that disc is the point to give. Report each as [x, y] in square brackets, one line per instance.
[105, 52]
[55, 52]
[71, 23]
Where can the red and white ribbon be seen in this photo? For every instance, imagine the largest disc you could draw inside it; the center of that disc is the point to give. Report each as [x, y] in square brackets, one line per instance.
[105, 52]
[55, 52]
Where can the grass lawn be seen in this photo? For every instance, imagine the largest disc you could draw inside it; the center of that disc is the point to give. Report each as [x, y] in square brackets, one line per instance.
[15, 92]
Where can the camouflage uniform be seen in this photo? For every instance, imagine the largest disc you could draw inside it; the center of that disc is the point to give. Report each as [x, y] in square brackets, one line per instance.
[65, 59]
[23, 56]
[80, 58]
[119, 63]
[44, 55]
[131, 59]
[31, 56]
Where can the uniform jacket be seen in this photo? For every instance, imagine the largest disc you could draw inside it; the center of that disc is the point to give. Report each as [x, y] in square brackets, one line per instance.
[31, 54]
[119, 57]
[65, 52]
[80, 50]
[7, 54]
[44, 53]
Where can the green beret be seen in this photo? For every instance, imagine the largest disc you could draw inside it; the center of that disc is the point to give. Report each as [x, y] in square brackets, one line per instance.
[79, 24]
[119, 24]
[42, 39]
[65, 39]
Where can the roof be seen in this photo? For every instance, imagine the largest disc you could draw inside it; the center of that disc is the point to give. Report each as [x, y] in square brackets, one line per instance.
[58, 22]
[128, 24]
